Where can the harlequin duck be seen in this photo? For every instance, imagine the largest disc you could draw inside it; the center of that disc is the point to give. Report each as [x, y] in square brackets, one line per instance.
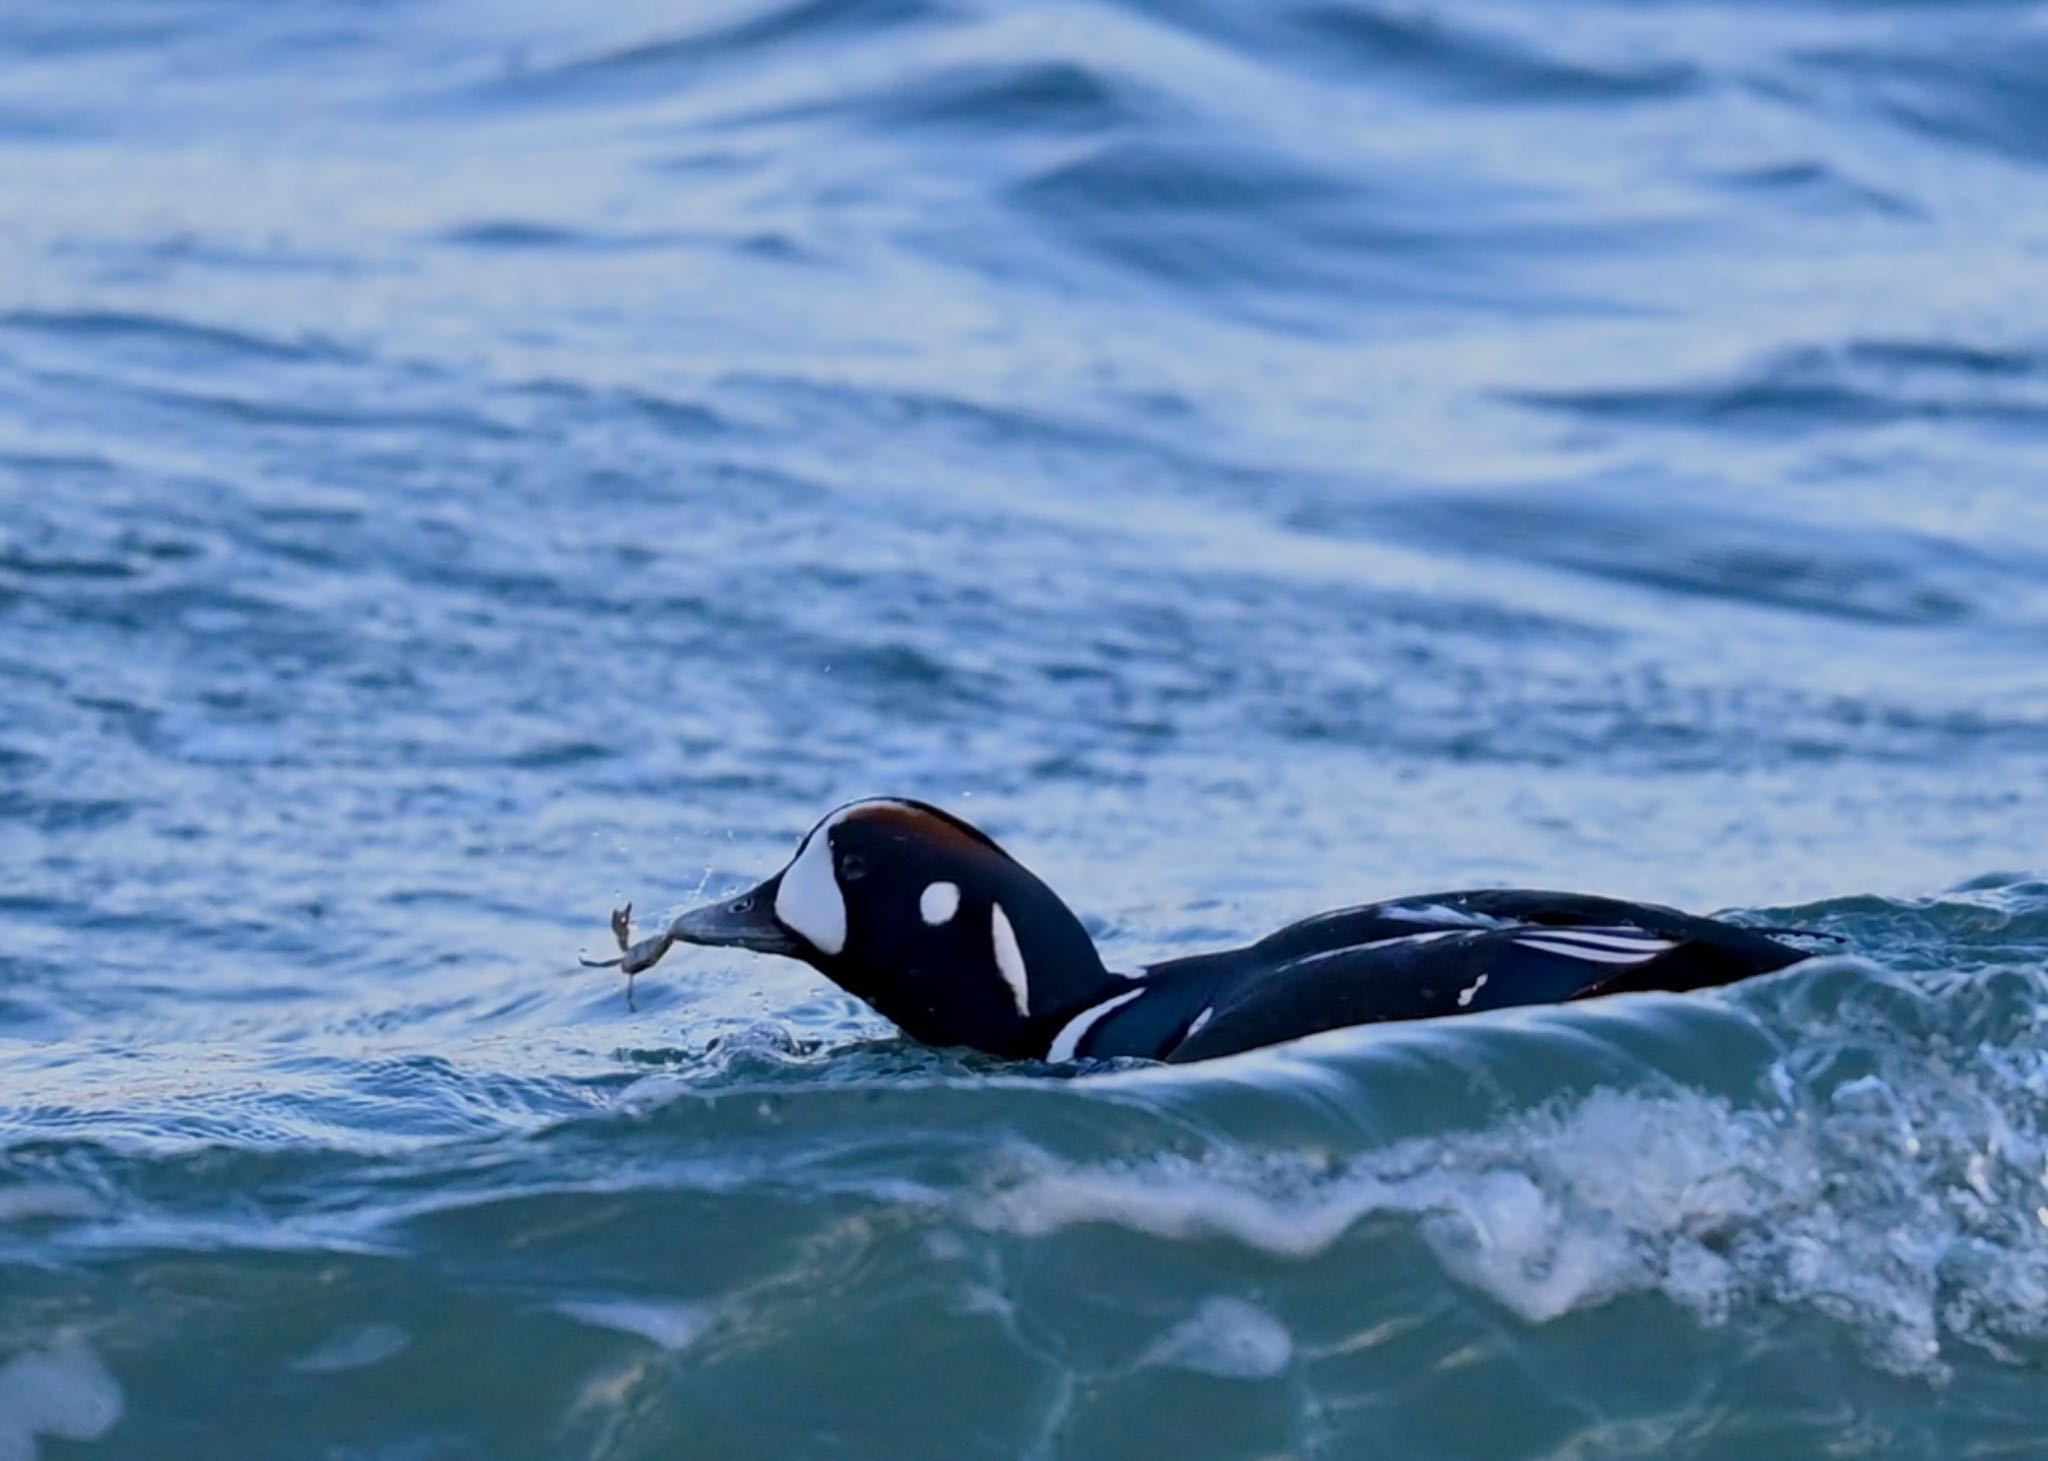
[925, 918]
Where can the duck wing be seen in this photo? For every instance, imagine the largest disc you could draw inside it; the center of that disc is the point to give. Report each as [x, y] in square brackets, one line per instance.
[1461, 953]
[1486, 908]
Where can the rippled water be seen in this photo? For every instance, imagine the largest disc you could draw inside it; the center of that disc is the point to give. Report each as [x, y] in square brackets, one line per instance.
[464, 464]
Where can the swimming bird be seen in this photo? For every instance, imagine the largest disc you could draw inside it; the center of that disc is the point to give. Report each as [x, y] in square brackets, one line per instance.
[926, 919]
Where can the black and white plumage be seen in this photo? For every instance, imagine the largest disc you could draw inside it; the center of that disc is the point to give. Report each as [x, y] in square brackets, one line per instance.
[930, 922]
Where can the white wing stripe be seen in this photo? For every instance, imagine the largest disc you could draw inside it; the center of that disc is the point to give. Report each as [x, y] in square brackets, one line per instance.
[1069, 1038]
[1595, 946]
[1602, 938]
[1594, 955]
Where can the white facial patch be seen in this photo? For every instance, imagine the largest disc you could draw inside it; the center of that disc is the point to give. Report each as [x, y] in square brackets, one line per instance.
[1010, 958]
[939, 903]
[809, 901]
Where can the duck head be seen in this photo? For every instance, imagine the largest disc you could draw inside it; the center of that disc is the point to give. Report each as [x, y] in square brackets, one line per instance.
[925, 918]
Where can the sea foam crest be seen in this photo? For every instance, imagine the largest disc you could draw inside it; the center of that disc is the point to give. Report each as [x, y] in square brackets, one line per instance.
[63, 1391]
[1918, 1215]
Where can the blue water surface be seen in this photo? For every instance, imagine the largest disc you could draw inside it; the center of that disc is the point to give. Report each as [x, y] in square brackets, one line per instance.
[464, 465]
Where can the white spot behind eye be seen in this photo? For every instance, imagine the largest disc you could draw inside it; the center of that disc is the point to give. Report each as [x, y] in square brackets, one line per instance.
[809, 900]
[1010, 958]
[939, 903]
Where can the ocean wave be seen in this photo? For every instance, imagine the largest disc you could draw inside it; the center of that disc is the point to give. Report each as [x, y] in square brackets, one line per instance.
[466, 468]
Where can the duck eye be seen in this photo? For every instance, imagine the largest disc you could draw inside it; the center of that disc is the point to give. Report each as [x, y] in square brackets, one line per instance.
[852, 868]
[741, 905]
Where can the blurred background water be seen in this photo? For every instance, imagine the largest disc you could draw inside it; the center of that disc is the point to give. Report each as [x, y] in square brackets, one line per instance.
[465, 464]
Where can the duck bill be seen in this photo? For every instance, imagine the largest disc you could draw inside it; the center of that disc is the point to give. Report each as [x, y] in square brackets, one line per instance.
[745, 922]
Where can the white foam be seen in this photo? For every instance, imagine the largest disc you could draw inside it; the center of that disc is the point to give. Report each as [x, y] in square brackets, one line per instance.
[64, 1391]
[1172, 1197]
[1228, 1338]
[670, 1324]
[39, 1201]
[1913, 1217]
[354, 1349]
